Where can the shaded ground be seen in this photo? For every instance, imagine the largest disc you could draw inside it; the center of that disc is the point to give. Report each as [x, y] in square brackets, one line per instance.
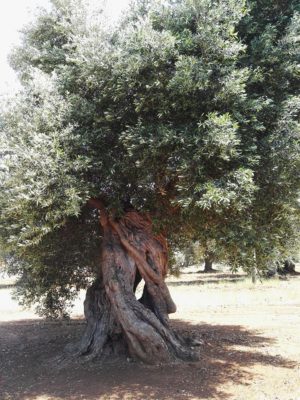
[250, 349]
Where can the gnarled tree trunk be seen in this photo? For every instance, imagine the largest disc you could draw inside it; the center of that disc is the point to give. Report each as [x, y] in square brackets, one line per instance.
[116, 320]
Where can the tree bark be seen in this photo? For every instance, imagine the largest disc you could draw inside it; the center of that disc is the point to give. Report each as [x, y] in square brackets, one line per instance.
[116, 320]
[208, 265]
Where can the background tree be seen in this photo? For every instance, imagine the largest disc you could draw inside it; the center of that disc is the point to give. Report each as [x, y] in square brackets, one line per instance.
[271, 127]
[263, 235]
[123, 136]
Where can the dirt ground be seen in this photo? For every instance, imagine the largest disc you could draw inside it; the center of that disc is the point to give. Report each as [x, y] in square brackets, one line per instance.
[250, 347]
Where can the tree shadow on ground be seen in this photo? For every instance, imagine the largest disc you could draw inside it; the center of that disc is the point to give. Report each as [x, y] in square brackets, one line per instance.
[202, 278]
[217, 280]
[27, 347]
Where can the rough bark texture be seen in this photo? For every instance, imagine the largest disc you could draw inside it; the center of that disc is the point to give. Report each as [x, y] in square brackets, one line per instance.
[116, 320]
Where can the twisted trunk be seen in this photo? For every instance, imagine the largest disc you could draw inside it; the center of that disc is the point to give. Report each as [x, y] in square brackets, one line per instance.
[116, 320]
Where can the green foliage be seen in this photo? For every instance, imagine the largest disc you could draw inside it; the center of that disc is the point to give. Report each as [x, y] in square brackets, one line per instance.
[53, 271]
[188, 109]
[271, 33]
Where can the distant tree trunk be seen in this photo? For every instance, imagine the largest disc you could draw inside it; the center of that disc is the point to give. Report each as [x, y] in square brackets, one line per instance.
[281, 268]
[254, 275]
[116, 320]
[289, 267]
[208, 262]
[255, 267]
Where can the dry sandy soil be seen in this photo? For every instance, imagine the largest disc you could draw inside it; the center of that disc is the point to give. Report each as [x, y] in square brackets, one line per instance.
[250, 348]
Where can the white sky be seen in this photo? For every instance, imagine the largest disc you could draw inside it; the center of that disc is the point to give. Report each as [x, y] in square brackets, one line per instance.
[14, 14]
